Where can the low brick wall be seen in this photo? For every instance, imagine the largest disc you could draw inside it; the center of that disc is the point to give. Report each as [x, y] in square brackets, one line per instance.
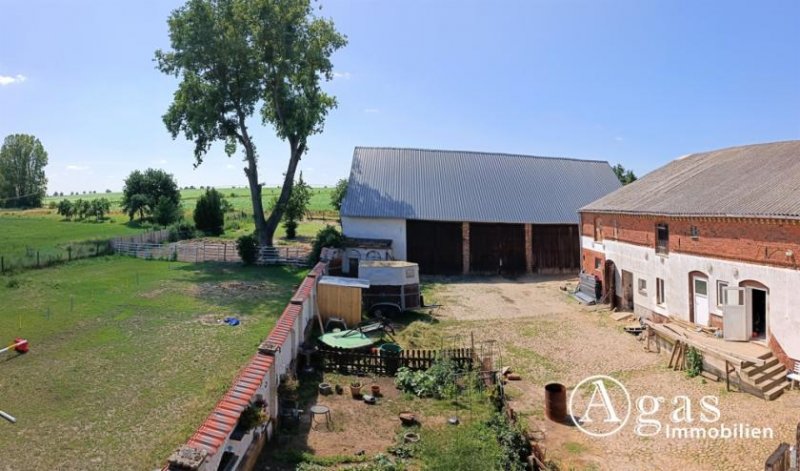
[256, 385]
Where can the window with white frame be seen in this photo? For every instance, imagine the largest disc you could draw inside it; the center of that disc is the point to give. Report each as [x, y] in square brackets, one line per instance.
[660, 297]
[642, 286]
[721, 293]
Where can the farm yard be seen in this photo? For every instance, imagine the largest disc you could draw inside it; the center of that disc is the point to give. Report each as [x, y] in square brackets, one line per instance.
[126, 355]
[544, 336]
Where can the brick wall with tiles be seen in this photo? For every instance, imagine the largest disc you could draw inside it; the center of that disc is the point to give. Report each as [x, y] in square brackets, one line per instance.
[772, 242]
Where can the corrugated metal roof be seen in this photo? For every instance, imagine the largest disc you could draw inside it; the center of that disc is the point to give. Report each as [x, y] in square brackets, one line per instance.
[439, 185]
[760, 180]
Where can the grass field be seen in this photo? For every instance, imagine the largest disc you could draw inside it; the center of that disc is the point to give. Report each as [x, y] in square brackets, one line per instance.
[126, 356]
[23, 233]
[238, 197]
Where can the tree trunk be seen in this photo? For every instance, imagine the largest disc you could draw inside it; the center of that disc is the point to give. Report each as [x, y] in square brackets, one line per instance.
[255, 195]
[274, 219]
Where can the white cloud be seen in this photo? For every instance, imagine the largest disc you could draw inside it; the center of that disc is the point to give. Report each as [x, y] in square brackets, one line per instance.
[230, 167]
[77, 168]
[9, 79]
[371, 110]
[619, 139]
[162, 162]
[342, 75]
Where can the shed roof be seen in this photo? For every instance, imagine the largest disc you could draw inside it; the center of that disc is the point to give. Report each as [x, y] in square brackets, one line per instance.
[440, 185]
[344, 282]
[759, 180]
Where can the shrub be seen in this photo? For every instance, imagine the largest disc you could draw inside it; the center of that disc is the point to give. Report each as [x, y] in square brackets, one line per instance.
[208, 214]
[437, 381]
[166, 211]
[247, 246]
[328, 236]
[694, 362]
[181, 231]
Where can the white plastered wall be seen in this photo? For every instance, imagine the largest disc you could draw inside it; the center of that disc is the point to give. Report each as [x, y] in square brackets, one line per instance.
[783, 310]
[378, 228]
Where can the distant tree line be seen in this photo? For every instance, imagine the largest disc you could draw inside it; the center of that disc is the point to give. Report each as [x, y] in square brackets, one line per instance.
[82, 209]
[625, 176]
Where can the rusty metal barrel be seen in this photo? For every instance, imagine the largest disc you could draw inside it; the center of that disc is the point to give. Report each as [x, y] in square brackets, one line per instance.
[555, 402]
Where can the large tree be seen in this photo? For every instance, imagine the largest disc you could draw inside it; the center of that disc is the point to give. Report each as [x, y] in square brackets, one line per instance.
[22, 180]
[144, 191]
[625, 176]
[234, 57]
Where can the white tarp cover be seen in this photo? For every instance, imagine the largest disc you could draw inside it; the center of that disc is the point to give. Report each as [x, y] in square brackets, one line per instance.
[389, 273]
[342, 281]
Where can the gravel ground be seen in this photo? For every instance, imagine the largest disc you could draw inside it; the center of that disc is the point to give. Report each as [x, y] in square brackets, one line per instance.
[546, 336]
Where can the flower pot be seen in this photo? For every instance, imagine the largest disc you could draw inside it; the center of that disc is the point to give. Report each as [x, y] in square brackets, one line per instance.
[355, 390]
[376, 390]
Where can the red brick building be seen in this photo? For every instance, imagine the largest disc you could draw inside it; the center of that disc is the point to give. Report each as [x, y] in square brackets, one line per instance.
[712, 238]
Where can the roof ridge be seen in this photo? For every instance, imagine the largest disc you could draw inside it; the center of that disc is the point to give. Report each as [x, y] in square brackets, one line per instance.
[741, 146]
[502, 154]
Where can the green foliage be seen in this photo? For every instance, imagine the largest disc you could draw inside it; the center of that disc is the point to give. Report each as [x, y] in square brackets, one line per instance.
[694, 362]
[338, 194]
[296, 207]
[468, 447]
[166, 212]
[252, 416]
[328, 236]
[99, 207]
[65, 208]
[23, 183]
[209, 215]
[625, 176]
[144, 191]
[247, 246]
[233, 57]
[181, 231]
[511, 437]
[437, 381]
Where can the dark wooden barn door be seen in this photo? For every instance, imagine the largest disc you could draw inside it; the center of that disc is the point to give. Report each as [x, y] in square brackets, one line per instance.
[435, 246]
[489, 244]
[556, 247]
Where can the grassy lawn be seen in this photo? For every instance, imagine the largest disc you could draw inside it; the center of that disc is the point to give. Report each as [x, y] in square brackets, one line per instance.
[21, 235]
[127, 356]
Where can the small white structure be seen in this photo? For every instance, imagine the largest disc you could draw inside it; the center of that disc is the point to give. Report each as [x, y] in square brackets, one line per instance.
[393, 283]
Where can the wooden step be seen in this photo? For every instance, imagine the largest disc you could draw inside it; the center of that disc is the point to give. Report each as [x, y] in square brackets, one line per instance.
[768, 374]
[773, 382]
[776, 391]
[751, 370]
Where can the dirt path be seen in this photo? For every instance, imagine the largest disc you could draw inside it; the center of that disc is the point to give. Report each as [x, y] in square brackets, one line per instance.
[546, 336]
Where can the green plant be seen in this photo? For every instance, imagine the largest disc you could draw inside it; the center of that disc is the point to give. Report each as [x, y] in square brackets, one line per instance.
[247, 246]
[437, 381]
[252, 416]
[694, 362]
[181, 231]
[209, 215]
[328, 236]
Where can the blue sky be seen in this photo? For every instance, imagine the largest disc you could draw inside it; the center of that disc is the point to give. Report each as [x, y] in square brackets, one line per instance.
[637, 82]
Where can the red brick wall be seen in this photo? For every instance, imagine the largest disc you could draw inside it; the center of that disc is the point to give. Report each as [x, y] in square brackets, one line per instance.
[587, 262]
[751, 240]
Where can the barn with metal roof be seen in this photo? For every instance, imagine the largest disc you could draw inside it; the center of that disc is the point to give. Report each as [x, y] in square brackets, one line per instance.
[467, 212]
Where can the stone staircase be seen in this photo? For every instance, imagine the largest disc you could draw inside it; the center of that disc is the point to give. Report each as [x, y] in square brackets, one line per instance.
[769, 379]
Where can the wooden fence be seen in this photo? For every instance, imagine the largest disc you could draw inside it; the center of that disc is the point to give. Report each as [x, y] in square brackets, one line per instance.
[352, 362]
[198, 251]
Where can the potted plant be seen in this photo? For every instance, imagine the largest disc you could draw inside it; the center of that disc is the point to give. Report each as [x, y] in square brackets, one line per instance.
[376, 389]
[355, 389]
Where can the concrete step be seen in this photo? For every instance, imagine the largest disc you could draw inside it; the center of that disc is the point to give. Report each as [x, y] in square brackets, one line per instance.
[768, 374]
[776, 391]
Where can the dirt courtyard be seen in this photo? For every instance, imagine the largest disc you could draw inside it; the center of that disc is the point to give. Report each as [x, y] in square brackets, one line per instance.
[545, 336]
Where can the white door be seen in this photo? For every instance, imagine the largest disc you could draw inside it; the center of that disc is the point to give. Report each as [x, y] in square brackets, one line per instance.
[700, 300]
[734, 315]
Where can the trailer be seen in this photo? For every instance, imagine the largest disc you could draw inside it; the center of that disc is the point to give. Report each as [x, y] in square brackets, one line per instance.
[394, 286]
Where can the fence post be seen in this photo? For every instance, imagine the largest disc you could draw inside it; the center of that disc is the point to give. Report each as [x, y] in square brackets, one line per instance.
[37, 259]
[224, 251]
